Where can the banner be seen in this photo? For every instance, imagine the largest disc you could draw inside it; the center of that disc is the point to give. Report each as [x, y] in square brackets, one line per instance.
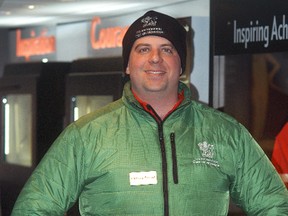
[249, 26]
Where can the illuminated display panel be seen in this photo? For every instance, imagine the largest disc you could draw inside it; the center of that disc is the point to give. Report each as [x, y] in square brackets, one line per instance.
[84, 104]
[17, 130]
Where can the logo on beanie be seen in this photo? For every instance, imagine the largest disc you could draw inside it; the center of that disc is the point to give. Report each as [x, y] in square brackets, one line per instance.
[149, 27]
[149, 21]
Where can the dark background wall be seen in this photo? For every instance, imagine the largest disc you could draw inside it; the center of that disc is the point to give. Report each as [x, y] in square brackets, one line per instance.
[4, 48]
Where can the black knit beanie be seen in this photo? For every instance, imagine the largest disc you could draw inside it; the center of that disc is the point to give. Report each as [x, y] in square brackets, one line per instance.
[158, 24]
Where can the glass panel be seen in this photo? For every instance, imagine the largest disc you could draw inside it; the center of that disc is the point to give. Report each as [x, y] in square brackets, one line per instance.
[83, 104]
[17, 115]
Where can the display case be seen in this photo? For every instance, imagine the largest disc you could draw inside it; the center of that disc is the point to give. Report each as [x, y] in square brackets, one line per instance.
[32, 115]
[17, 125]
[91, 84]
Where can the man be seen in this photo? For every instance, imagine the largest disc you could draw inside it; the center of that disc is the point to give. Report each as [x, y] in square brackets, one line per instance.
[154, 151]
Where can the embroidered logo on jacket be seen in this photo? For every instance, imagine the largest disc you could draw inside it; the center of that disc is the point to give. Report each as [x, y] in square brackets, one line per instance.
[207, 152]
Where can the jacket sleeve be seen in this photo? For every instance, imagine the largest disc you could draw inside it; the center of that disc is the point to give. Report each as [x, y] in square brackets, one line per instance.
[55, 184]
[257, 188]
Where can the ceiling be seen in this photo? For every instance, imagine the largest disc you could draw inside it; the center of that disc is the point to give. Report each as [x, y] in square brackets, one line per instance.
[16, 13]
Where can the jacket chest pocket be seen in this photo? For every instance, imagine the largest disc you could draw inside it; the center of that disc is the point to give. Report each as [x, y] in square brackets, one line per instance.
[203, 176]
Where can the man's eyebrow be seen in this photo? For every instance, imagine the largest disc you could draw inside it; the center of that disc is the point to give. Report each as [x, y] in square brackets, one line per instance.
[147, 44]
[169, 44]
[142, 44]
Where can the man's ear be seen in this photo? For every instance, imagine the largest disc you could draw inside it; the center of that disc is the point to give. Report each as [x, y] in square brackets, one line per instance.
[127, 70]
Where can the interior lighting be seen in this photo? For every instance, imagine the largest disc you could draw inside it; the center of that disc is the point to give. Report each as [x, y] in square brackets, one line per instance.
[76, 113]
[7, 126]
[31, 7]
[45, 60]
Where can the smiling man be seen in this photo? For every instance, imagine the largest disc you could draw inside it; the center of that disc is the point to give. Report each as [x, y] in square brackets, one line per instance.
[154, 53]
[154, 151]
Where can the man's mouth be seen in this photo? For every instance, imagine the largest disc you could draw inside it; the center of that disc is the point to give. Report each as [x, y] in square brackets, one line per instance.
[154, 72]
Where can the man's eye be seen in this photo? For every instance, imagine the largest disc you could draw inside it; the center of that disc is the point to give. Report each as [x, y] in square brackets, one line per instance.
[167, 50]
[143, 50]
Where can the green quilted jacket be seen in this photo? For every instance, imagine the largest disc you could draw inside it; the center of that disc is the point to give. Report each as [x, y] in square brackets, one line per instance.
[119, 161]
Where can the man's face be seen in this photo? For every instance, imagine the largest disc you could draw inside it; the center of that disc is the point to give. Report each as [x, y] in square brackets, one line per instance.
[154, 66]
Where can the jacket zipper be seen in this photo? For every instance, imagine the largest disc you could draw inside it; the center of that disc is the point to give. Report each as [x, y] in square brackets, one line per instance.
[164, 160]
[164, 170]
[174, 158]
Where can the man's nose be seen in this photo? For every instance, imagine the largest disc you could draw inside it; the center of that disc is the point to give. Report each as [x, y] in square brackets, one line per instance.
[155, 56]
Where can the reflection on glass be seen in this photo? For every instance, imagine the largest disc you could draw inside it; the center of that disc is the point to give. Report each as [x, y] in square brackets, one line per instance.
[17, 115]
[83, 104]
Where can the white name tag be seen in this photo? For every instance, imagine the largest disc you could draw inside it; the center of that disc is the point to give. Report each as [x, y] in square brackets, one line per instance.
[143, 178]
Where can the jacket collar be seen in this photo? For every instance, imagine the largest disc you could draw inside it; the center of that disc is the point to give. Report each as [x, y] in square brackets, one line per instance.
[129, 99]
